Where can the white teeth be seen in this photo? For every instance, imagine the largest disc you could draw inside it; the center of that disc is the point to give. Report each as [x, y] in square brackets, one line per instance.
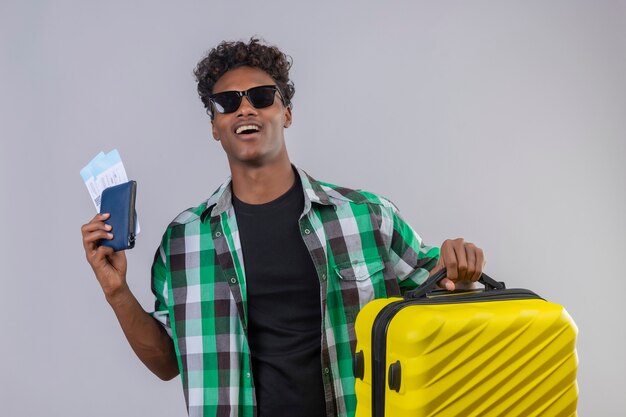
[246, 127]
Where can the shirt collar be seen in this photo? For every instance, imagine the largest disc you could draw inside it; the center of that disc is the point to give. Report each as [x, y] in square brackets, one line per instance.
[221, 200]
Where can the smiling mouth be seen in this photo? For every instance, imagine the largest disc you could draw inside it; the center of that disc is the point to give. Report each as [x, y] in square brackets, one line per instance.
[247, 129]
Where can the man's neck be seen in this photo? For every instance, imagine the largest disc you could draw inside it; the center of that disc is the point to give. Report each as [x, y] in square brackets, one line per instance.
[262, 184]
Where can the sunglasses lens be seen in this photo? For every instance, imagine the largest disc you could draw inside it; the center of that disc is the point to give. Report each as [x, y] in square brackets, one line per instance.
[227, 102]
[261, 96]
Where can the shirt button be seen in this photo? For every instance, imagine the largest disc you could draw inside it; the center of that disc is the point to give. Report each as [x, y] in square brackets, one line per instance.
[233, 280]
[247, 374]
[307, 232]
[218, 234]
[326, 371]
[323, 277]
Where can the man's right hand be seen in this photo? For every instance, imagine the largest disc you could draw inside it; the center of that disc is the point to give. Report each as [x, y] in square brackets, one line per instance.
[109, 266]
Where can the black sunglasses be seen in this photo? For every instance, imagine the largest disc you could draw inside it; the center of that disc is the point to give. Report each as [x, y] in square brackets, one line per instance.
[260, 97]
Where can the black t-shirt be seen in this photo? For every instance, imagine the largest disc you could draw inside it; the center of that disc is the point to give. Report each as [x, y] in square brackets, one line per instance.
[284, 307]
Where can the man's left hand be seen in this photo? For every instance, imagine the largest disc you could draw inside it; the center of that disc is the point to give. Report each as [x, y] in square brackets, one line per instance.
[463, 261]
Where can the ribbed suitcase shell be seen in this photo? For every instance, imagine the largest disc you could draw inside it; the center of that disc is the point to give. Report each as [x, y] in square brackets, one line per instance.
[480, 358]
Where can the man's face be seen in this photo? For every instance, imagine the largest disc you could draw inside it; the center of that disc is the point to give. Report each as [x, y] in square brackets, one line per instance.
[262, 143]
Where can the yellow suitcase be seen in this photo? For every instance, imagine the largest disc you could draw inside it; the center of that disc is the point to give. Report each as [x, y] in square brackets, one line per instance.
[491, 353]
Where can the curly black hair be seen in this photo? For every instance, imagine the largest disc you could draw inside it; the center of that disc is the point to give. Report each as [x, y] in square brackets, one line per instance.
[230, 55]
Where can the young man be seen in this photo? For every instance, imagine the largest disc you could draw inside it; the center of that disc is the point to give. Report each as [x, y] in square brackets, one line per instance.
[257, 289]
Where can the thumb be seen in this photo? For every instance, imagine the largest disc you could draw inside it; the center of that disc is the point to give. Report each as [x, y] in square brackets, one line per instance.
[446, 283]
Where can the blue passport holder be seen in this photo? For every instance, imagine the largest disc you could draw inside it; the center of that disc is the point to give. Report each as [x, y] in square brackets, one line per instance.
[119, 201]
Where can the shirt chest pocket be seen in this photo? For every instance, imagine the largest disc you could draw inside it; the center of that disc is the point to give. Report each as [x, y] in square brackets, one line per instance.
[359, 270]
[358, 281]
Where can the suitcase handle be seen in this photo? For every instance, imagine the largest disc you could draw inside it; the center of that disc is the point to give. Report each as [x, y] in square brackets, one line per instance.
[432, 281]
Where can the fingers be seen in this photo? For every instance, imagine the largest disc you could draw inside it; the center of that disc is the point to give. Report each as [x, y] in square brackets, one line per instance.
[449, 259]
[470, 255]
[479, 263]
[455, 259]
[94, 231]
[463, 261]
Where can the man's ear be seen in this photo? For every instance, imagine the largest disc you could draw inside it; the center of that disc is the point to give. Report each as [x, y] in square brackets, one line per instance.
[214, 131]
[288, 117]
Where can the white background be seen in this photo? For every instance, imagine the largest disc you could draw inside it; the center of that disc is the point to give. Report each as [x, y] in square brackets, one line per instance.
[503, 122]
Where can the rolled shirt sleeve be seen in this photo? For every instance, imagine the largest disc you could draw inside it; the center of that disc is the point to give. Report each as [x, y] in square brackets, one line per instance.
[412, 259]
[160, 290]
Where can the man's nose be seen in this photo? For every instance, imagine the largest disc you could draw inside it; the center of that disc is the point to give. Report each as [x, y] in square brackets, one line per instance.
[245, 107]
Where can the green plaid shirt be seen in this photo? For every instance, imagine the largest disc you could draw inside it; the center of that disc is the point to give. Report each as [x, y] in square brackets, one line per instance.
[361, 249]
